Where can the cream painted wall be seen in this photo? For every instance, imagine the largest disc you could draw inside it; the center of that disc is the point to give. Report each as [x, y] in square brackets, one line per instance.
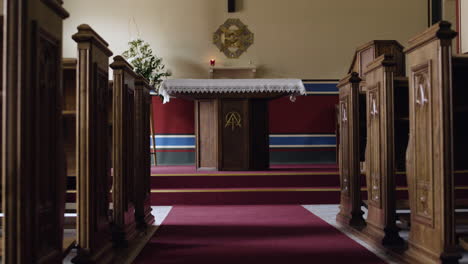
[308, 39]
[449, 11]
[464, 25]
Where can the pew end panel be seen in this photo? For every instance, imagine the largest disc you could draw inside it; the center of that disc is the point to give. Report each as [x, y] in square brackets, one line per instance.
[430, 149]
[380, 160]
[143, 106]
[93, 163]
[123, 196]
[350, 199]
[34, 169]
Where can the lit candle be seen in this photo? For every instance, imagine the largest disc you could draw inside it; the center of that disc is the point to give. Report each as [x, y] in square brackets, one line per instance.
[212, 62]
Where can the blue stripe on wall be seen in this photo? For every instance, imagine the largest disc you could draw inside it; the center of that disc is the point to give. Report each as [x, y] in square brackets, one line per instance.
[175, 141]
[276, 141]
[321, 88]
[302, 141]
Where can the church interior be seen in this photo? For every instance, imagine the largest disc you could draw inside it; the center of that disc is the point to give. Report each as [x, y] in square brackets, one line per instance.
[234, 131]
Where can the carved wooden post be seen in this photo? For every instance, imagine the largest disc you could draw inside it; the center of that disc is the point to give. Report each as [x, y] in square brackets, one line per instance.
[93, 165]
[34, 169]
[380, 159]
[350, 175]
[123, 148]
[142, 154]
[430, 149]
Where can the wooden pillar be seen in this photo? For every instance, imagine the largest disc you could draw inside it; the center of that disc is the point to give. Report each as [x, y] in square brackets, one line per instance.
[142, 154]
[430, 149]
[350, 175]
[123, 196]
[34, 169]
[93, 164]
[380, 152]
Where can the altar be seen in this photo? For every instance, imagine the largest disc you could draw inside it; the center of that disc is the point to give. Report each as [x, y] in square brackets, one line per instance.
[231, 118]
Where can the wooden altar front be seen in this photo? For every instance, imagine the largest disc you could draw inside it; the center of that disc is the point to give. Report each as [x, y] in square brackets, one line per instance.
[232, 133]
[231, 126]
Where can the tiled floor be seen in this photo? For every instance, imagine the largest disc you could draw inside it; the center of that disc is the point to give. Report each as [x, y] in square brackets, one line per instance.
[328, 214]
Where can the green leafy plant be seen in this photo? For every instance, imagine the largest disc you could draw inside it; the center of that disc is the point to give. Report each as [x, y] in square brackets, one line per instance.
[141, 57]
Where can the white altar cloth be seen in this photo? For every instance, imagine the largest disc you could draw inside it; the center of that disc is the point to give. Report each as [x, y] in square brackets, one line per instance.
[292, 86]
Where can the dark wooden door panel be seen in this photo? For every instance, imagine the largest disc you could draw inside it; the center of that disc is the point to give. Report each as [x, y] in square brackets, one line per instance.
[235, 134]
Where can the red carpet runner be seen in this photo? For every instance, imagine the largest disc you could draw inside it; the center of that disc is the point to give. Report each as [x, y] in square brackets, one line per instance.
[276, 234]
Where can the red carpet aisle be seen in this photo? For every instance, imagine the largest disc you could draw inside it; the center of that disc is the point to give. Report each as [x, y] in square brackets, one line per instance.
[273, 234]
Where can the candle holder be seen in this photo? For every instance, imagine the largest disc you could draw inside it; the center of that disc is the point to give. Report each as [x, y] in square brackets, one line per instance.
[212, 62]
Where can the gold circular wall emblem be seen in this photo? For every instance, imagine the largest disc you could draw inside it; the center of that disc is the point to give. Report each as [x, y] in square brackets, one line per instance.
[233, 38]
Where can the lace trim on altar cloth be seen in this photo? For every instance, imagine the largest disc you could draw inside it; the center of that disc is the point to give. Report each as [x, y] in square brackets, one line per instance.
[174, 86]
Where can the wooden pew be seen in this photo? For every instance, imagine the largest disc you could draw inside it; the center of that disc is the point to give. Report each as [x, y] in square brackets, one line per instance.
[437, 111]
[123, 195]
[387, 137]
[34, 172]
[92, 151]
[353, 128]
[143, 103]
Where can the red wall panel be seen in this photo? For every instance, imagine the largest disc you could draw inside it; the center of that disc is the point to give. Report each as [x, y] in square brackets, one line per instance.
[308, 114]
[175, 117]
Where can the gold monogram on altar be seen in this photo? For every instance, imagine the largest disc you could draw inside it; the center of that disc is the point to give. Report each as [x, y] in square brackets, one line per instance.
[233, 120]
[233, 38]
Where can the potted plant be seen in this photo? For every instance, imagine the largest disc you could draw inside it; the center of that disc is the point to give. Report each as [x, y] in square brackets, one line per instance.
[141, 57]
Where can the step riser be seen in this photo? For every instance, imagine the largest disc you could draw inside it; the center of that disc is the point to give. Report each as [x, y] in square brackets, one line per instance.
[250, 181]
[220, 198]
[289, 197]
[244, 198]
[254, 181]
